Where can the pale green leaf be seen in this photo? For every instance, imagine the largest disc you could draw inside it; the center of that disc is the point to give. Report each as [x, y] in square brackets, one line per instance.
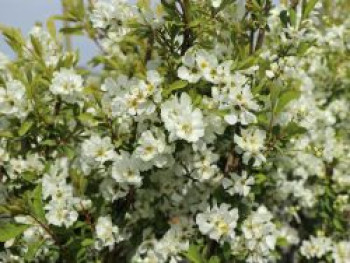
[10, 230]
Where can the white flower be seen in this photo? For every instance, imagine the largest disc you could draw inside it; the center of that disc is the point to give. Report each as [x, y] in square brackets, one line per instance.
[107, 234]
[251, 144]
[181, 120]
[66, 83]
[16, 167]
[244, 103]
[112, 14]
[97, 149]
[55, 179]
[259, 234]
[341, 252]
[218, 223]
[189, 71]
[151, 85]
[289, 234]
[60, 214]
[111, 190]
[205, 61]
[153, 148]
[102, 14]
[60, 209]
[216, 3]
[13, 99]
[133, 97]
[173, 242]
[238, 184]
[149, 146]
[50, 49]
[236, 99]
[204, 165]
[125, 170]
[316, 247]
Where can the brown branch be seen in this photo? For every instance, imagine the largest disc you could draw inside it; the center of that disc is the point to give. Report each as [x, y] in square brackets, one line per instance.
[49, 232]
[88, 218]
[251, 41]
[149, 47]
[188, 41]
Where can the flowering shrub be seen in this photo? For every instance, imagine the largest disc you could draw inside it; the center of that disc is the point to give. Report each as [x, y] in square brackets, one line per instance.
[203, 131]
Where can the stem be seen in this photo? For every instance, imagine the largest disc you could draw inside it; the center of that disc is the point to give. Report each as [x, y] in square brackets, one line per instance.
[261, 35]
[251, 41]
[98, 44]
[187, 42]
[210, 248]
[149, 47]
[54, 238]
[47, 229]
[67, 39]
[88, 218]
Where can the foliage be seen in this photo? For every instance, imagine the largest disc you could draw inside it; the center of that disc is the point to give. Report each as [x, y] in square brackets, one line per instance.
[203, 131]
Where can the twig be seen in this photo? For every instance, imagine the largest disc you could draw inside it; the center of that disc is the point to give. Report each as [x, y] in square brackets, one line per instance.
[47, 230]
[149, 47]
[251, 41]
[261, 35]
[67, 39]
[187, 42]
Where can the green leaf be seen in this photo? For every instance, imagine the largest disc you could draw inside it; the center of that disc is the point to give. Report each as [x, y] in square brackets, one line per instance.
[78, 30]
[284, 18]
[293, 129]
[9, 231]
[87, 242]
[177, 85]
[87, 119]
[247, 63]
[32, 250]
[6, 134]
[281, 242]
[4, 210]
[194, 255]
[310, 5]
[25, 127]
[37, 203]
[79, 181]
[51, 27]
[49, 142]
[13, 38]
[292, 17]
[260, 178]
[36, 46]
[65, 17]
[337, 224]
[29, 176]
[285, 98]
[214, 259]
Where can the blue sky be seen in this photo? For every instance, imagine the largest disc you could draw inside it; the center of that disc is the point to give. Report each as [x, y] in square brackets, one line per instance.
[24, 13]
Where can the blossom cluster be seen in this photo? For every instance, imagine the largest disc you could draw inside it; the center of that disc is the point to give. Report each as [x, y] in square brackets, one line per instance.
[191, 142]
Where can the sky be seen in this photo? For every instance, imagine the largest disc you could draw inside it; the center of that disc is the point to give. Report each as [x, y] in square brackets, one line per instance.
[24, 13]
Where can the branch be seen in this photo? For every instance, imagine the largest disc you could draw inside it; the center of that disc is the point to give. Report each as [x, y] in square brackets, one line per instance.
[261, 35]
[187, 42]
[149, 47]
[251, 41]
[67, 39]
